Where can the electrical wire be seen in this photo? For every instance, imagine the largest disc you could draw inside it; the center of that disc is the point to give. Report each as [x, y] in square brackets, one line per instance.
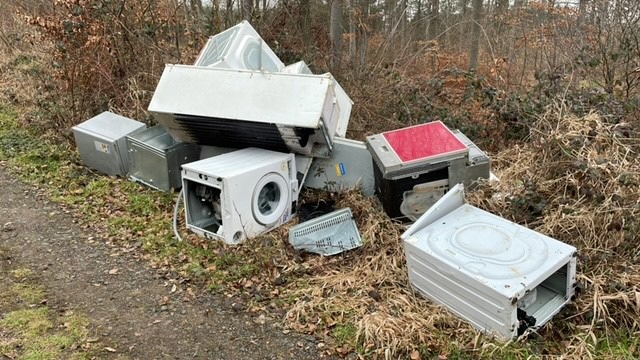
[176, 210]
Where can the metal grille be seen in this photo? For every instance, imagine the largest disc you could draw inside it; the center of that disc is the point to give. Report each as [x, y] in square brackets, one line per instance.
[329, 234]
[233, 134]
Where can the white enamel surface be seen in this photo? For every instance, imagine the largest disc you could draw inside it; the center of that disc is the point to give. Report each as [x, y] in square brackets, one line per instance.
[239, 47]
[240, 175]
[477, 243]
[277, 98]
[450, 201]
[483, 267]
[501, 254]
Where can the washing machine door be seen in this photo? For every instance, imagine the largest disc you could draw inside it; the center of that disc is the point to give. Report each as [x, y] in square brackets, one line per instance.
[270, 199]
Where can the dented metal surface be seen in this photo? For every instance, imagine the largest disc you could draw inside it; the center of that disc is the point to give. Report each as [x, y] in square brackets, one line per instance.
[242, 108]
[496, 274]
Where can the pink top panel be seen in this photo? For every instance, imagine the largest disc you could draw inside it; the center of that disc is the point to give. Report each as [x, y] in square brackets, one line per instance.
[423, 141]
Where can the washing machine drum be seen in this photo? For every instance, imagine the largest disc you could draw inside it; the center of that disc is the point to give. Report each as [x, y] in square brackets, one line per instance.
[270, 198]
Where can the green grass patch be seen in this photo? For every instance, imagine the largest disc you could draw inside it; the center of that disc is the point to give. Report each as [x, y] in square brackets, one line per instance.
[30, 294]
[29, 330]
[21, 274]
[40, 336]
[29, 323]
[345, 334]
[619, 345]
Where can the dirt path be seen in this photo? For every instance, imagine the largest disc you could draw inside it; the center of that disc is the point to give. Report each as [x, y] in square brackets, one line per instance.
[140, 312]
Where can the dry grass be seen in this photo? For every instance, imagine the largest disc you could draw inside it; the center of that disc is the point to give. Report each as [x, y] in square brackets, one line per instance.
[370, 289]
[581, 177]
[576, 180]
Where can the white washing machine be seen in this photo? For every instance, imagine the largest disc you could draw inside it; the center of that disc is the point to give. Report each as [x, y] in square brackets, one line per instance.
[504, 278]
[239, 195]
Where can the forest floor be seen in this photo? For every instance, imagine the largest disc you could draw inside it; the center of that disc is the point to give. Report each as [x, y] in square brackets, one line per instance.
[69, 296]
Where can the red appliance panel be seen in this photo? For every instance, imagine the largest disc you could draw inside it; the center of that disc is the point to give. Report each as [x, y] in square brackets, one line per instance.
[424, 141]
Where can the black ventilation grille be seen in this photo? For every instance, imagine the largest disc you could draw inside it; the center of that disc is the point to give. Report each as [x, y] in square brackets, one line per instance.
[232, 133]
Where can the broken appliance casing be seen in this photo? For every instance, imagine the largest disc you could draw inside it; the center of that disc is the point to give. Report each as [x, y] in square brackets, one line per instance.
[478, 164]
[503, 278]
[241, 108]
[102, 142]
[297, 68]
[303, 164]
[239, 195]
[410, 164]
[239, 47]
[349, 167]
[345, 104]
[155, 158]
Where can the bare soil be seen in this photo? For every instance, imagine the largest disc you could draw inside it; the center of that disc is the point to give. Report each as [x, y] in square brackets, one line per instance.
[141, 312]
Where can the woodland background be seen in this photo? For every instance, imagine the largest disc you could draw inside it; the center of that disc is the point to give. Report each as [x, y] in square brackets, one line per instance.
[548, 88]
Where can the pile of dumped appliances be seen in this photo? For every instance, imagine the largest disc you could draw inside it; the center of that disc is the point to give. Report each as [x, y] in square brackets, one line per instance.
[241, 134]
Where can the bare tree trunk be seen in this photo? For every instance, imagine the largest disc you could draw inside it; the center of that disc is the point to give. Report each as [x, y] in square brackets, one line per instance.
[228, 19]
[434, 20]
[305, 9]
[362, 41]
[352, 31]
[390, 15]
[418, 22]
[475, 35]
[336, 34]
[247, 9]
[582, 9]
[500, 25]
[403, 23]
[463, 29]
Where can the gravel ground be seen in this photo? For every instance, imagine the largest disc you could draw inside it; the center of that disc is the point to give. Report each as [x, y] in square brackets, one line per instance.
[141, 312]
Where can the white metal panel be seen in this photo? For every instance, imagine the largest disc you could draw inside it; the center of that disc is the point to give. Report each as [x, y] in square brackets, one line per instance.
[505, 255]
[484, 268]
[460, 293]
[236, 163]
[450, 201]
[345, 104]
[284, 99]
[349, 166]
[297, 68]
[239, 47]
